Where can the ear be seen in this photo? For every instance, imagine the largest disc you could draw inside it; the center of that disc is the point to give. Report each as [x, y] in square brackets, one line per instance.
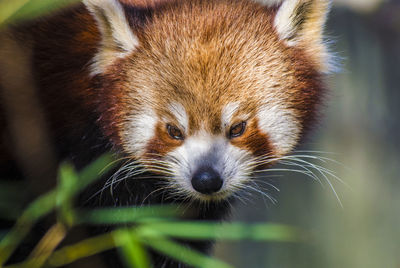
[117, 38]
[301, 23]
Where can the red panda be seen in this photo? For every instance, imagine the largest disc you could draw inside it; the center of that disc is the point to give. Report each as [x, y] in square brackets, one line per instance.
[208, 87]
[201, 93]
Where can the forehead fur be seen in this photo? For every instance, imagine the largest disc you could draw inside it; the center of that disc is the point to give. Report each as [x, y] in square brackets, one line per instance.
[203, 55]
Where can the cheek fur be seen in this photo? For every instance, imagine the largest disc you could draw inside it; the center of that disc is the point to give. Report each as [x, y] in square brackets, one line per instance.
[161, 144]
[254, 141]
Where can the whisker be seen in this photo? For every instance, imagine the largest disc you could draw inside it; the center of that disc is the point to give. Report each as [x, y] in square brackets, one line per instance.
[299, 161]
[267, 183]
[321, 169]
[316, 178]
[273, 200]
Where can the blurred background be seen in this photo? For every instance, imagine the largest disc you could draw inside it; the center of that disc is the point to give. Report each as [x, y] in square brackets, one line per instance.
[361, 130]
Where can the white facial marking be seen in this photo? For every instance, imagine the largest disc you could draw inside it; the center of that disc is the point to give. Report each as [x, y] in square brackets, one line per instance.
[269, 3]
[281, 125]
[178, 110]
[118, 40]
[192, 150]
[138, 132]
[235, 167]
[228, 112]
[216, 152]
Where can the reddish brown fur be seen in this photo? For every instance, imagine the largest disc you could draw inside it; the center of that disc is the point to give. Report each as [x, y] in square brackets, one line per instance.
[162, 143]
[200, 54]
[254, 140]
[214, 69]
[227, 51]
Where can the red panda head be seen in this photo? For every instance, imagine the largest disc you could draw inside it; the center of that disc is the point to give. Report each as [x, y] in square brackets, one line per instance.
[207, 91]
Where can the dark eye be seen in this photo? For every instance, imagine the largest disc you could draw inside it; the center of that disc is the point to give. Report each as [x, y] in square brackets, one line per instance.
[237, 130]
[174, 132]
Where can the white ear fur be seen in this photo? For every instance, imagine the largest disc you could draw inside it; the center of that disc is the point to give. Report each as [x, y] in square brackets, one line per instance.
[269, 3]
[301, 23]
[297, 19]
[117, 38]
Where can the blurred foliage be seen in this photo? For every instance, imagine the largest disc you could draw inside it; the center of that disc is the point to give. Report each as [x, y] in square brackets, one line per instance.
[19, 10]
[152, 227]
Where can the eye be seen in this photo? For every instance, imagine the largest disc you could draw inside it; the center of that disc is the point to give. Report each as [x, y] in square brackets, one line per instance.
[237, 130]
[174, 132]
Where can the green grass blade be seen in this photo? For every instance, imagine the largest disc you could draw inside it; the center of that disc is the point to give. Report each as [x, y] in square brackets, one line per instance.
[225, 231]
[17, 10]
[132, 249]
[82, 249]
[72, 253]
[42, 206]
[70, 185]
[127, 214]
[68, 179]
[182, 253]
[9, 8]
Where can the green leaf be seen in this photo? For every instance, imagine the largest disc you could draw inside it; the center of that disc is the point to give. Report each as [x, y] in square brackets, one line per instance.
[40, 207]
[82, 249]
[70, 185]
[17, 10]
[68, 179]
[226, 231]
[183, 253]
[9, 8]
[127, 214]
[132, 250]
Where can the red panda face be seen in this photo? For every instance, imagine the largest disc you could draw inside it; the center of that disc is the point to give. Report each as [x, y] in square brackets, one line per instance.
[208, 164]
[212, 89]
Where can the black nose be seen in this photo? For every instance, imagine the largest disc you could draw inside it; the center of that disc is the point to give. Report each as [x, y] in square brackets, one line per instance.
[207, 181]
